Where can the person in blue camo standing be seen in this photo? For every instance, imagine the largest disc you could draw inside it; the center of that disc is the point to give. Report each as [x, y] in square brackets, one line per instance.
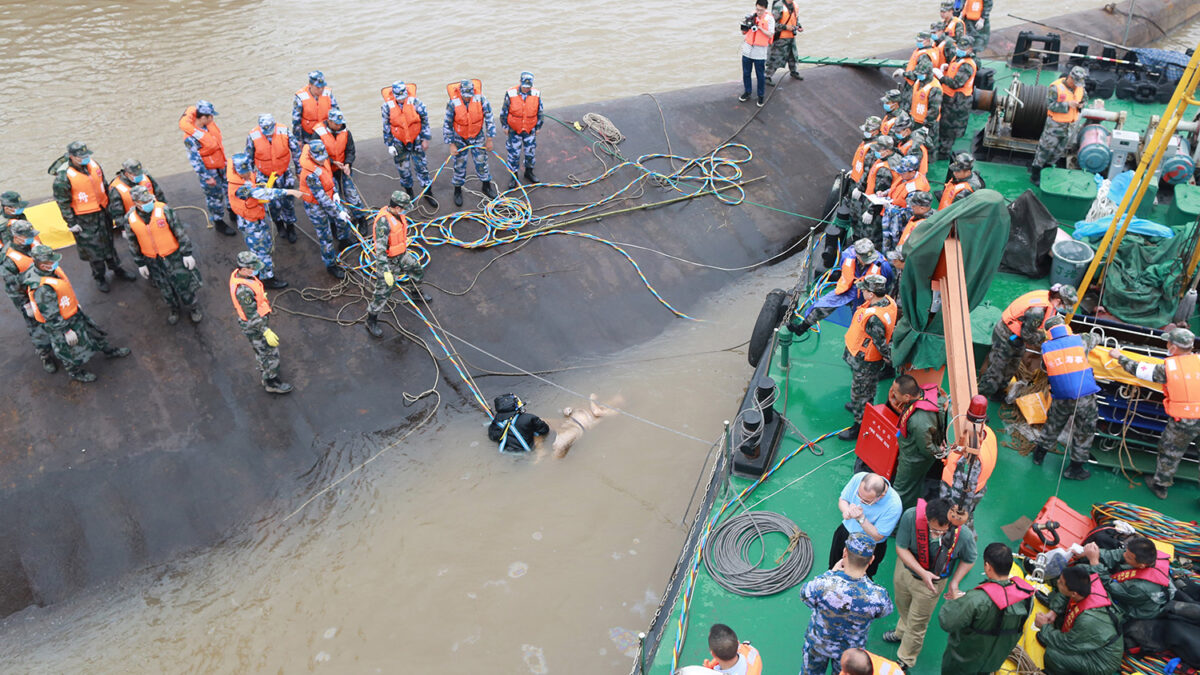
[323, 204]
[469, 123]
[310, 106]
[276, 152]
[522, 116]
[406, 136]
[844, 602]
[206, 155]
[248, 202]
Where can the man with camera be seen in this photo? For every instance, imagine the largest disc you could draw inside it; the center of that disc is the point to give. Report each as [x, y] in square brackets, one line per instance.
[759, 31]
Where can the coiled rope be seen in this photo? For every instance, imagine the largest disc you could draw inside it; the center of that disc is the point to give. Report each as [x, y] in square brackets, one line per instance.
[1184, 536]
[728, 554]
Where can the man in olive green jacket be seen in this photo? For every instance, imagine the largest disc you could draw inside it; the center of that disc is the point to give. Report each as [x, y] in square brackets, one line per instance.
[983, 624]
[1136, 577]
[1081, 632]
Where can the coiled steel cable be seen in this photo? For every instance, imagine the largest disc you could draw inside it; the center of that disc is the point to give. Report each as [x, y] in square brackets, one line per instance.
[727, 555]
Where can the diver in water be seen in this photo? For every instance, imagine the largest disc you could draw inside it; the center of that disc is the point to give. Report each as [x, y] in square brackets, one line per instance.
[512, 428]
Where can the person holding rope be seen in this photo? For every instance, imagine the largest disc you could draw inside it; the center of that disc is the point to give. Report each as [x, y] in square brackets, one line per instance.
[512, 428]
[248, 203]
[1073, 391]
[339, 143]
[389, 236]
[253, 313]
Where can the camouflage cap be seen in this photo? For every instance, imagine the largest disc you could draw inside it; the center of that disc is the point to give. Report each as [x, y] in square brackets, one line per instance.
[205, 108]
[875, 283]
[1066, 292]
[336, 116]
[241, 162]
[399, 87]
[962, 161]
[1079, 74]
[871, 124]
[920, 198]
[466, 87]
[891, 95]
[400, 198]
[13, 199]
[921, 135]
[864, 248]
[885, 143]
[1180, 337]
[42, 253]
[316, 78]
[903, 121]
[937, 27]
[132, 166]
[1056, 320]
[924, 35]
[249, 260]
[266, 120]
[948, 6]
[23, 228]
[965, 43]
[317, 149]
[909, 164]
[527, 78]
[78, 149]
[923, 68]
[140, 194]
[860, 545]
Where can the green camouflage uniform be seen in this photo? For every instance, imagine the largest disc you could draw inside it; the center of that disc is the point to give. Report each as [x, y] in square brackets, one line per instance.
[116, 207]
[1085, 410]
[1175, 439]
[956, 109]
[1093, 646]
[905, 88]
[984, 34]
[874, 229]
[979, 634]
[865, 374]
[1056, 135]
[916, 456]
[405, 263]
[1007, 350]
[176, 283]
[783, 50]
[253, 328]
[95, 242]
[14, 288]
[1136, 598]
[932, 116]
[91, 338]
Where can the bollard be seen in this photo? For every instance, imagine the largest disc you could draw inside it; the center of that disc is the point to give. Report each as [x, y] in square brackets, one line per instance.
[641, 654]
[785, 338]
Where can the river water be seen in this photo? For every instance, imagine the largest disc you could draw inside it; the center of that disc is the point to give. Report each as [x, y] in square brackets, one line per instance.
[441, 554]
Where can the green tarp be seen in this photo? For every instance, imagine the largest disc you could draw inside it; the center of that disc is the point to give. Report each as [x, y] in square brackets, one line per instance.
[983, 226]
[1142, 285]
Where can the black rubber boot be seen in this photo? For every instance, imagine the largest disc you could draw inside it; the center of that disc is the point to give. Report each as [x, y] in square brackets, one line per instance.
[274, 283]
[1075, 471]
[117, 352]
[489, 190]
[430, 200]
[512, 183]
[799, 328]
[1159, 491]
[336, 271]
[409, 190]
[48, 362]
[796, 75]
[81, 375]
[458, 195]
[120, 272]
[849, 407]
[851, 433]
[173, 317]
[277, 386]
[373, 326]
[529, 175]
[415, 290]
[222, 227]
[1039, 455]
[101, 279]
[289, 232]
[1035, 175]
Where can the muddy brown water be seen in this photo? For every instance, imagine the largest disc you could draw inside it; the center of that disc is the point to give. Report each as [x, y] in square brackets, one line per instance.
[441, 554]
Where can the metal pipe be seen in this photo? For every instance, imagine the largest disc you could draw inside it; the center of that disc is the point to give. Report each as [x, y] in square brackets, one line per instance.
[641, 654]
[1098, 114]
[1128, 20]
[1084, 56]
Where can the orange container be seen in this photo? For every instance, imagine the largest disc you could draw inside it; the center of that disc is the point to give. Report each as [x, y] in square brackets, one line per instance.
[1072, 528]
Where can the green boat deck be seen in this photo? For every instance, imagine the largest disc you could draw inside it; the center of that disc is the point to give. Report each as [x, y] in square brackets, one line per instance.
[813, 388]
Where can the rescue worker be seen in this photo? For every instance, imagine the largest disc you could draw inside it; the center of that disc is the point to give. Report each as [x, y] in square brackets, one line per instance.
[248, 202]
[12, 210]
[909, 180]
[82, 196]
[512, 428]
[393, 260]
[162, 252]
[206, 153]
[926, 105]
[857, 661]
[958, 96]
[339, 143]
[891, 100]
[900, 130]
[868, 346]
[977, 14]
[1137, 577]
[275, 152]
[522, 116]
[310, 107]
[406, 135]
[858, 261]
[922, 435]
[876, 182]
[984, 624]
[864, 158]
[953, 26]
[966, 469]
[1072, 392]
[119, 199]
[469, 124]
[964, 180]
[1022, 326]
[318, 192]
[1064, 100]
[930, 550]
[15, 259]
[919, 209]
[1081, 632]
[253, 312]
[1179, 374]
[844, 602]
[783, 47]
[927, 52]
[916, 145]
[758, 32]
[74, 337]
[729, 655]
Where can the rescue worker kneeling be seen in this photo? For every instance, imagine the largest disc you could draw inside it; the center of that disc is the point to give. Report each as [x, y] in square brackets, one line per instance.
[868, 346]
[512, 428]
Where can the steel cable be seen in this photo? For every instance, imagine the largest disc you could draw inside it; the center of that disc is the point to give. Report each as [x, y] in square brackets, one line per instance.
[727, 556]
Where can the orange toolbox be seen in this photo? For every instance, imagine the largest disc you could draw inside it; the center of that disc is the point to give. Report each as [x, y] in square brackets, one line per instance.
[1057, 525]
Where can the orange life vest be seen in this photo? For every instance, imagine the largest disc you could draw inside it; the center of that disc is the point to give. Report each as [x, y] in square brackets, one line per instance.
[155, 239]
[212, 149]
[882, 666]
[68, 304]
[1182, 389]
[747, 653]
[879, 164]
[314, 111]
[397, 242]
[21, 260]
[885, 126]
[902, 188]
[468, 117]
[87, 189]
[987, 460]
[935, 58]
[251, 209]
[123, 189]
[271, 155]
[1097, 599]
[952, 70]
[403, 119]
[1064, 95]
[849, 275]
[1014, 314]
[335, 141]
[260, 294]
[908, 229]
[919, 109]
[956, 28]
[857, 341]
[905, 149]
[787, 19]
[760, 37]
[860, 155]
[308, 165]
[523, 112]
[952, 191]
[973, 10]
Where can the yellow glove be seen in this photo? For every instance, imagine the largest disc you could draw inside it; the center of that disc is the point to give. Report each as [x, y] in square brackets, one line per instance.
[272, 338]
[389, 278]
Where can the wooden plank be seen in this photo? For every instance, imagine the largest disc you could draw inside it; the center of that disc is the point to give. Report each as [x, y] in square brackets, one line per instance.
[956, 318]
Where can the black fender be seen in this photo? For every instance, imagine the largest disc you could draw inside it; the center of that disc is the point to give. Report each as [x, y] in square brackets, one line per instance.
[769, 317]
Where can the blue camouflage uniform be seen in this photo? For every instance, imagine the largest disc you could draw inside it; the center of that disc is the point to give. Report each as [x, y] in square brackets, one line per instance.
[342, 179]
[212, 181]
[842, 611]
[478, 153]
[298, 107]
[527, 141]
[327, 218]
[256, 232]
[282, 208]
[412, 153]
